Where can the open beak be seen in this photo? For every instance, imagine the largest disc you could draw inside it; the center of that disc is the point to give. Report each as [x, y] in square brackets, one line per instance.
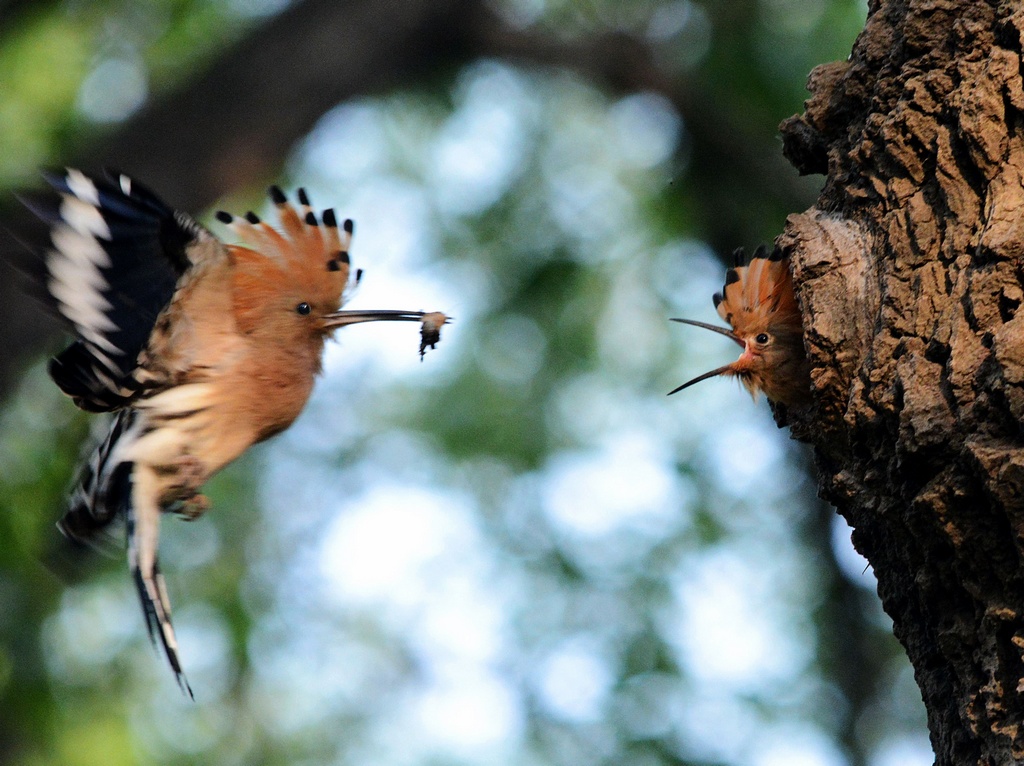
[728, 368]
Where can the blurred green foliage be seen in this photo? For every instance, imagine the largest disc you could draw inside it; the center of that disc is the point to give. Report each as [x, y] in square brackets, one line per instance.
[518, 551]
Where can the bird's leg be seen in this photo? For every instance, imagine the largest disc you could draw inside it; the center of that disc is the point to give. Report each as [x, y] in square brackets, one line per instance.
[143, 543]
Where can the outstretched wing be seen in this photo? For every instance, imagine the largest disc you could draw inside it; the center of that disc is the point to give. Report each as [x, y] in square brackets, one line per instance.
[118, 254]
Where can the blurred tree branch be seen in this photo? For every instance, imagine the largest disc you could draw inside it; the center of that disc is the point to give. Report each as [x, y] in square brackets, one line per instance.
[14, 12]
[231, 126]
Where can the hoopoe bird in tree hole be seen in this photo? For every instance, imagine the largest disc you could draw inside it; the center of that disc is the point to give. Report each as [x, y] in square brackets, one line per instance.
[760, 305]
[200, 349]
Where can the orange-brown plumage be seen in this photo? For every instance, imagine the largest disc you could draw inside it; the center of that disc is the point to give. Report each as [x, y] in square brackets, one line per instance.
[201, 349]
[759, 303]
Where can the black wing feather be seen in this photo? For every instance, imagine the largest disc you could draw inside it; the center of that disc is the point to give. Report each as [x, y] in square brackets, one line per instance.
[111, 298]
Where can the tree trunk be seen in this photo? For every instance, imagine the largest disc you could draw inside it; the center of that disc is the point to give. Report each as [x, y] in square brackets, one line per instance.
[909, 272]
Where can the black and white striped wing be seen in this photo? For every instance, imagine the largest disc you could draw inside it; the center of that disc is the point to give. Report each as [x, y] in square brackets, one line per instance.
[118, 254]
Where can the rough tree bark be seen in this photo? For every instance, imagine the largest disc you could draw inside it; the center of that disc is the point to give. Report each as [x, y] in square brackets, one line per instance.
[910, 276]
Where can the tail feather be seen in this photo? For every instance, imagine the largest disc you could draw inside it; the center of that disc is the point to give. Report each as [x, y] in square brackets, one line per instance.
[103, 491]
[156, 606]
[104, 495]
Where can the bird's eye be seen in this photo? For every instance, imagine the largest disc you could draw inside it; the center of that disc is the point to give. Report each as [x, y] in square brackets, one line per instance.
[303, 308]
[762, 338]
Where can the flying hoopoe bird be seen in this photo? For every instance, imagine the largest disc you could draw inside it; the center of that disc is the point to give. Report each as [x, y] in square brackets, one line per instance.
[200, 349]
[759, 304]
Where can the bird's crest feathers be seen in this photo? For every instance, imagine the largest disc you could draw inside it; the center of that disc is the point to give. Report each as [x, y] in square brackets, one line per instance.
[309, 253]
[758, 294]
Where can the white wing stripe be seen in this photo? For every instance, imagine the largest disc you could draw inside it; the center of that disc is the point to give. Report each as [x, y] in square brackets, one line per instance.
[82, 186]
[83, 217]
[75, 245]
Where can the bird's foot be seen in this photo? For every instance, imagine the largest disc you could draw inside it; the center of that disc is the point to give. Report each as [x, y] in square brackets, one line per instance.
[189, 474]
[194, 507]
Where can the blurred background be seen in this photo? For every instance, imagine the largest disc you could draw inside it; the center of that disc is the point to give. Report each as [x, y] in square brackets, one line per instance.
[518, 551]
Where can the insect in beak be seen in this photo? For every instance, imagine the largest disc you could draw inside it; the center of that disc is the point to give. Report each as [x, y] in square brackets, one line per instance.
[718, 371]
[430, 322]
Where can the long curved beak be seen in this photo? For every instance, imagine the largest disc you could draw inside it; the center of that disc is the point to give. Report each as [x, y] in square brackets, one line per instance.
[699, 378]
[342, 318]
[714, 328]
